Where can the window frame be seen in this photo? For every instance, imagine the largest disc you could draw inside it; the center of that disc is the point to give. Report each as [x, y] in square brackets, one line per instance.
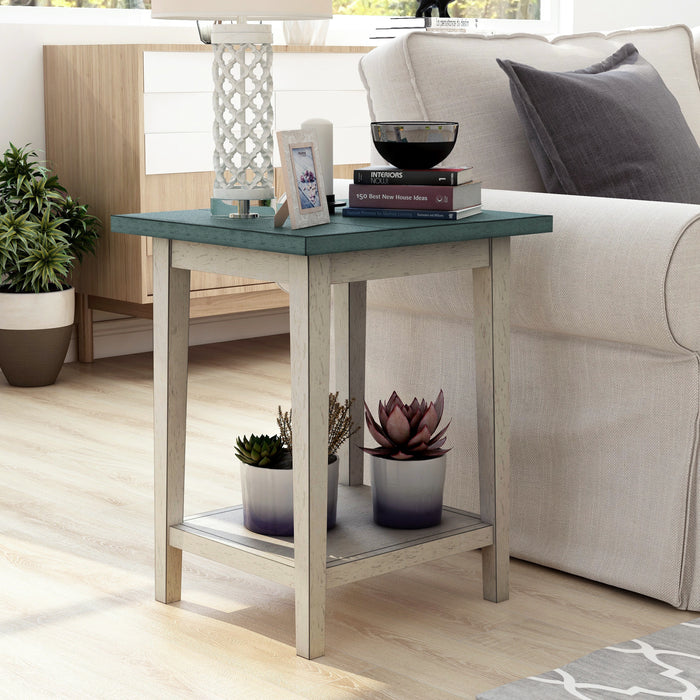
[351, 30]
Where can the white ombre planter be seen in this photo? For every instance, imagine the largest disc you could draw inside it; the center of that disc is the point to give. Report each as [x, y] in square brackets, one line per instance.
[35, 331]
[407, 494]
[268, 504]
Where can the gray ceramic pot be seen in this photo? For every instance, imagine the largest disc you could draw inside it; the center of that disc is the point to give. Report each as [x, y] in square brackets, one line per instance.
[407, 494]
[268, 505]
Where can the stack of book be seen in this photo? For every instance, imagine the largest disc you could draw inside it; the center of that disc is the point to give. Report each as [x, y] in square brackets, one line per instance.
[435, 193]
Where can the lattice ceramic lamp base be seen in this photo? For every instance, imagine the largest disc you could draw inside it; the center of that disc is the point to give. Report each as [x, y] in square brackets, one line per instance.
[243, 125]
[243, 116]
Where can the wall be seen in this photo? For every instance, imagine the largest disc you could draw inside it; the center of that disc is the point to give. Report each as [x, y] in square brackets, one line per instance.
[21, 42]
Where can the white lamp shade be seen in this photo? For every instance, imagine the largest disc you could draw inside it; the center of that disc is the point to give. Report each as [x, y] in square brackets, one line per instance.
[233, 9]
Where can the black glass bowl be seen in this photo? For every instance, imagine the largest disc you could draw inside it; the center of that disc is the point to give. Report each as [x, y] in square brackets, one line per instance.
[412, 145]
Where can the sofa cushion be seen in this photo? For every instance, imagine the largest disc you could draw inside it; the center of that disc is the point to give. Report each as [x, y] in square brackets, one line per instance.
[424, 75]
[610, 130]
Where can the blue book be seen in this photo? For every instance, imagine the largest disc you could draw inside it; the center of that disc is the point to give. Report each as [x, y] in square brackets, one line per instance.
[377, 212]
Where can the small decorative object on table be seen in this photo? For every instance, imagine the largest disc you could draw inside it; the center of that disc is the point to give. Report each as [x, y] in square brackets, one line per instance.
[303, 181]
[408, 467]
[266, 471]
[411, 188]
[414, 144]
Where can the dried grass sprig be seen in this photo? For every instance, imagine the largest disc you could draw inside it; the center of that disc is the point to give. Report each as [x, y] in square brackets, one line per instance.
[340, 424]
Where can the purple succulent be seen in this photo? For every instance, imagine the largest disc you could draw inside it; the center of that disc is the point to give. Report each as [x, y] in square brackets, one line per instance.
[406, 431]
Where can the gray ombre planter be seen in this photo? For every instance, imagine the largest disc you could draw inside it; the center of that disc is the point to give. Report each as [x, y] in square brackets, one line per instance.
[268, 506]
[35, 331]
[407, 494]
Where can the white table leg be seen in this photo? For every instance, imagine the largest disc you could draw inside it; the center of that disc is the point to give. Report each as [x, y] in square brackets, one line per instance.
[310, 305]
[171, 300]
[492, 345]
[349, 316]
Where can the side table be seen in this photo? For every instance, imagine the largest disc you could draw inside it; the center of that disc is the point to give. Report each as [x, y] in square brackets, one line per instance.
[343, 254]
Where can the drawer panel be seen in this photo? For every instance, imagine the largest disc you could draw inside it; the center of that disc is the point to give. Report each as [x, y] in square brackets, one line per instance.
[173, 112]
[177, 71]
[316, 71]
[343, 108]
[179, 153]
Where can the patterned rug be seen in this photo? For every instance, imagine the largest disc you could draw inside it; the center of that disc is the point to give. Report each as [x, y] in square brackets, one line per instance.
[665, 664]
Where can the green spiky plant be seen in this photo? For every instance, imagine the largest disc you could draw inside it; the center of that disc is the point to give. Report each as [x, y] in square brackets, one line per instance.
[263, 451]
[43, 231]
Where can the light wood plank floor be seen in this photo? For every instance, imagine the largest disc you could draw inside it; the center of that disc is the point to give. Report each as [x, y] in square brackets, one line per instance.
[77, 614]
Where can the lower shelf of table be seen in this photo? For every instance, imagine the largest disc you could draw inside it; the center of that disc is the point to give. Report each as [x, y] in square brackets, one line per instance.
[356, 547]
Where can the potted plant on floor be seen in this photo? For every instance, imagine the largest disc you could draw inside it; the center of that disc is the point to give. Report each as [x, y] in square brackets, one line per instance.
[43, 233]
[266, 471]
[408, 467]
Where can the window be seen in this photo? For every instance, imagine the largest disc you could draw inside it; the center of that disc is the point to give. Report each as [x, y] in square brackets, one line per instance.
[486, 9]
[355, 21]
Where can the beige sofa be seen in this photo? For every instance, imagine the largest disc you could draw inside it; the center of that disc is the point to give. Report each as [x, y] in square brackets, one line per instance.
[605, 322]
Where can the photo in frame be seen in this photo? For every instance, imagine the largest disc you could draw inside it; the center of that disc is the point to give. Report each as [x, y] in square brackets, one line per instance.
[303, 180]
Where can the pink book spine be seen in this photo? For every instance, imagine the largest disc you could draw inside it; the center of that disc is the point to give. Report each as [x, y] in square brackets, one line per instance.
[402, 196]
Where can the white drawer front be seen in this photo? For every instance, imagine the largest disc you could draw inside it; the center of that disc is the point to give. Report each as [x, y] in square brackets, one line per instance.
[177, 71]
[178, 112]
[343, 108]
[316, 71]
[178, 153]
[169, 112]
[351, 145]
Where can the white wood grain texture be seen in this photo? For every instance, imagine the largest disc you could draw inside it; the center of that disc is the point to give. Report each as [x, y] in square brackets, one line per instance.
[408, 260]
[263, 564]
[352, 144]
[177, 71]
[291, 71]
[345, 108]
[391, 561]
[350, 333]
[255, 264]
[178, 152]
[173, 112]
[310, 306]
[492, 355]
[170, 347]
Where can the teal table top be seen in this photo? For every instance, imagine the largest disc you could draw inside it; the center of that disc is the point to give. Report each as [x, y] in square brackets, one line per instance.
[341, 235]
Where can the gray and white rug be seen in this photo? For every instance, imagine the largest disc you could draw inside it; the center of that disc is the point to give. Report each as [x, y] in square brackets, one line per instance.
[665, 664]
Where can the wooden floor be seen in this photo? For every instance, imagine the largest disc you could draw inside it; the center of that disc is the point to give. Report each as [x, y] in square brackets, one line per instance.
[77, 614]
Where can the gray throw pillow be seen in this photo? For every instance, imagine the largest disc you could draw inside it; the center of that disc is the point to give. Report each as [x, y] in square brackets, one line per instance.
[610, 130]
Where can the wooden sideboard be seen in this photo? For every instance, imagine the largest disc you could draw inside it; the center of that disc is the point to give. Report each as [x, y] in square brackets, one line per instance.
[128, 130]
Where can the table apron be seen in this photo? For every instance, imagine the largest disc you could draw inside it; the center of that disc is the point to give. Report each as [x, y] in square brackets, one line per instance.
[352, 266]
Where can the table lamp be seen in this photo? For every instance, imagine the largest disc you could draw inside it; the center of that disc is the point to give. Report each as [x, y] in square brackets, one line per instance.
[242, 72]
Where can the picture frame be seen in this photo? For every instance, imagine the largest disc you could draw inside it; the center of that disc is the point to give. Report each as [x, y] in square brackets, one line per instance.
[303, 181]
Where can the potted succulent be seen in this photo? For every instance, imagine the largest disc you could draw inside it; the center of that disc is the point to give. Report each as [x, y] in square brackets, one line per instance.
[408, 467]
[43, 233]
[266, 471]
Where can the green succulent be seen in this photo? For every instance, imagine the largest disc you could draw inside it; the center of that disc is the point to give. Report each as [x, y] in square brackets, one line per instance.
[43, 231]
[262, 451]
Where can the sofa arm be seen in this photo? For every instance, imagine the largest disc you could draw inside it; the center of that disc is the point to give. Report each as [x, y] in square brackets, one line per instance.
[620, 270]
